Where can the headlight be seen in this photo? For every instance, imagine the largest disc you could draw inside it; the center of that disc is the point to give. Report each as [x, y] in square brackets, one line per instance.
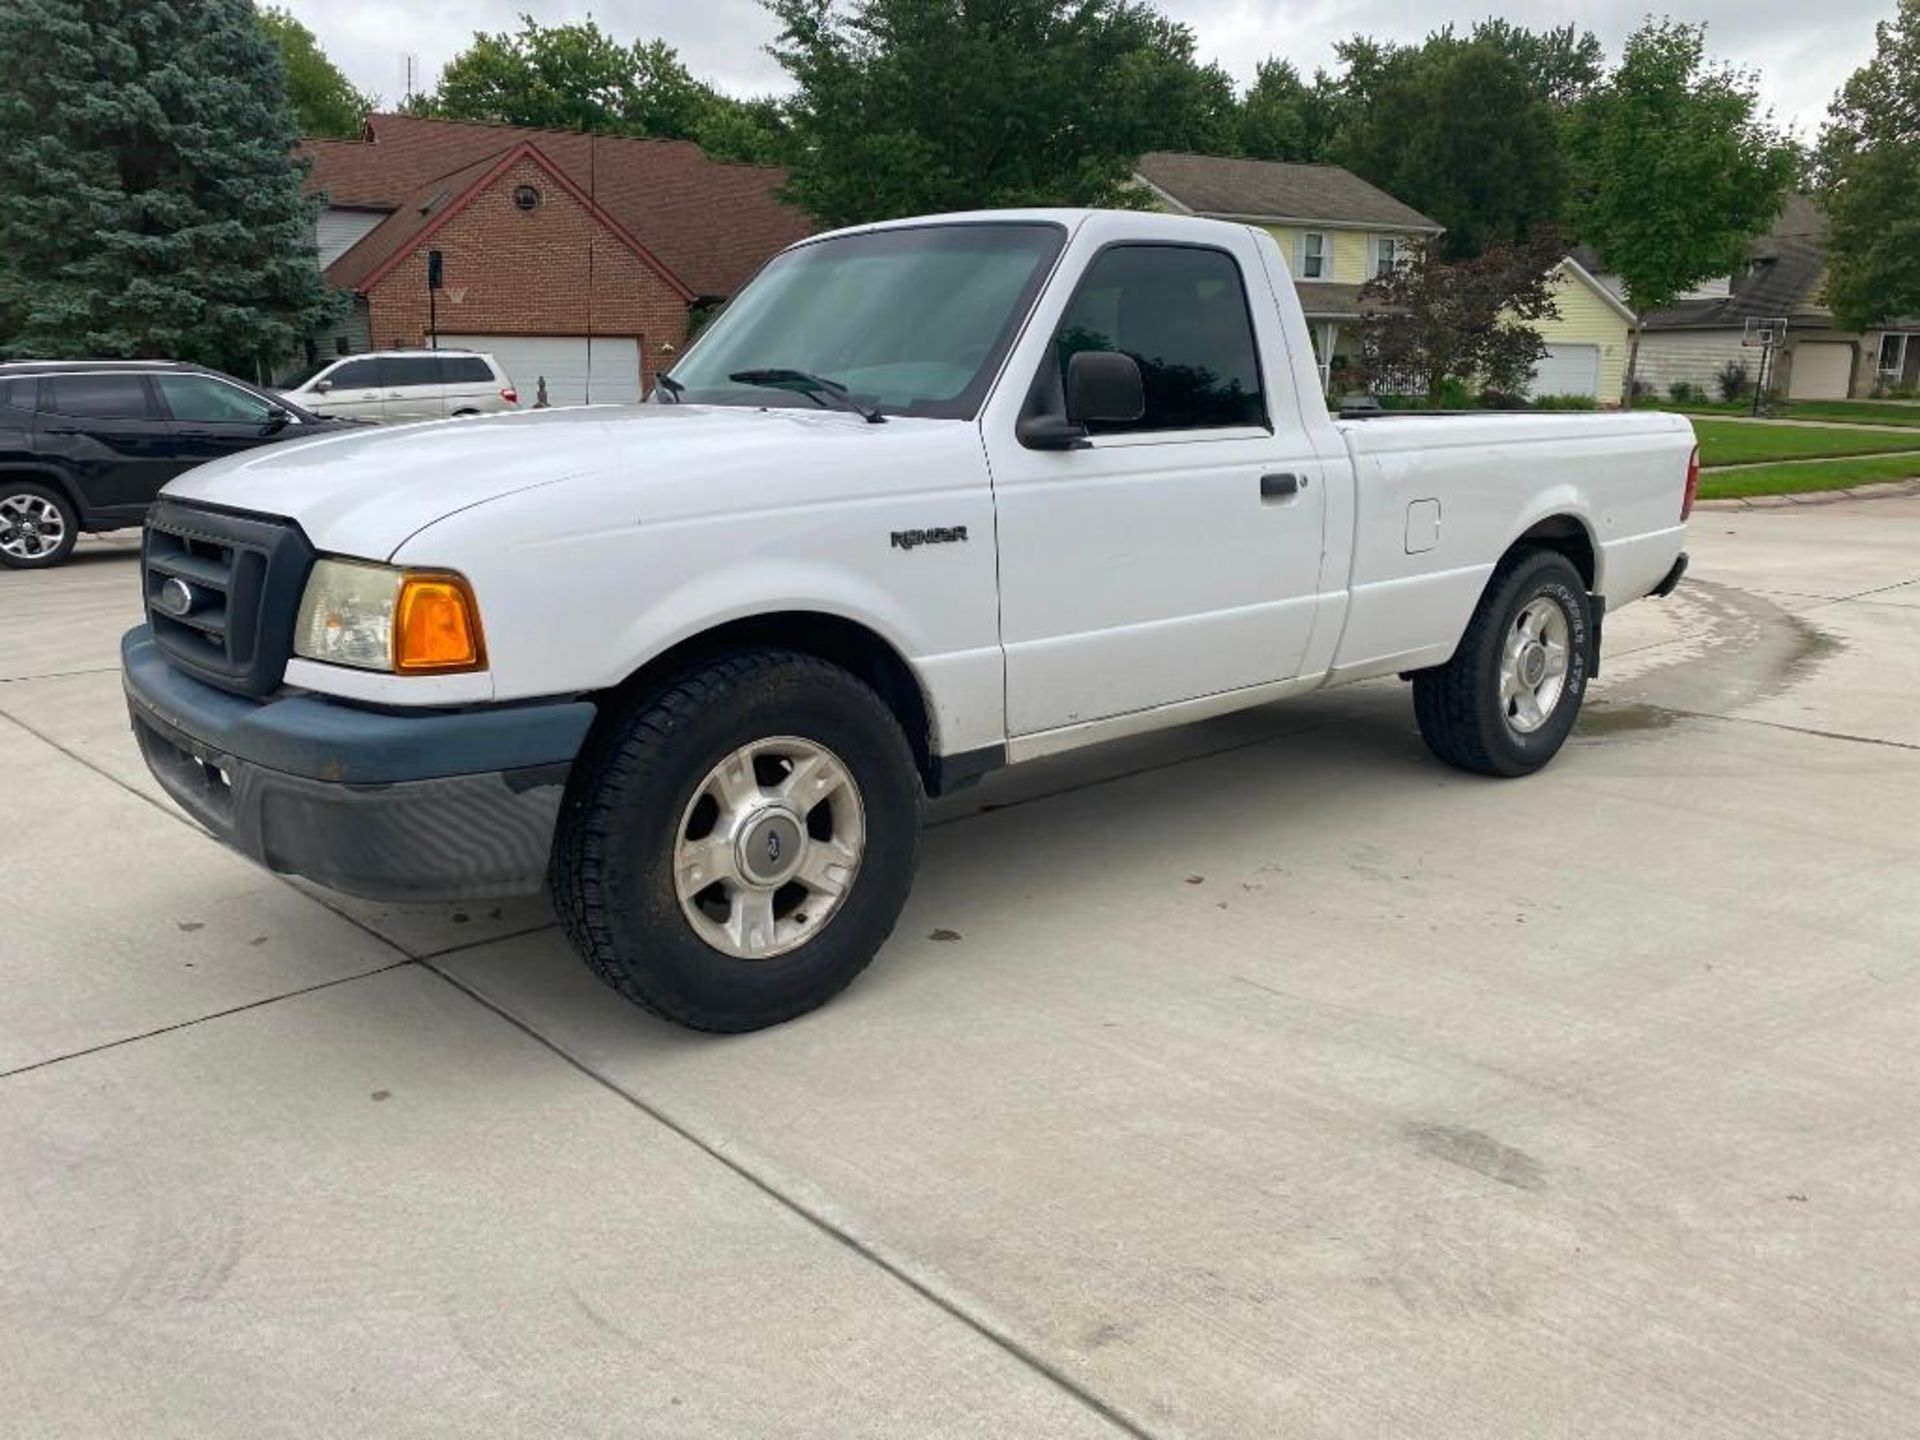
[376, 617]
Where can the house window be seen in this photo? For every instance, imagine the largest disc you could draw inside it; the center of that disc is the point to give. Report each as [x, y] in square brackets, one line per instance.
[1386, 254]
[1899, 362]
[1313, 256]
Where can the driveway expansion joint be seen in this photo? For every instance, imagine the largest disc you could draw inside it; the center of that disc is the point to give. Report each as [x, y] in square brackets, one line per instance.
[898, 1270]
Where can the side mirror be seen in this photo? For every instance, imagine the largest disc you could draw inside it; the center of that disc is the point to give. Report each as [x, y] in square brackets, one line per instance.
[278, 419]
[1104, 388]
[321, 387]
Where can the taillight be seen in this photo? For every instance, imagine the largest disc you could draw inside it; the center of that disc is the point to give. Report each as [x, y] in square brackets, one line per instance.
[1693, 483]
[512, 397]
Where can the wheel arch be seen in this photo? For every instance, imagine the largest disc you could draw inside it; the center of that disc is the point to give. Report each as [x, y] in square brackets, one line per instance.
[837, 639]
[1567, 532]
[49, 476]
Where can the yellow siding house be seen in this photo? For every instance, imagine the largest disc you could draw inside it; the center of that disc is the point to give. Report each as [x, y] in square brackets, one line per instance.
[1587, 344]
[1338, 232]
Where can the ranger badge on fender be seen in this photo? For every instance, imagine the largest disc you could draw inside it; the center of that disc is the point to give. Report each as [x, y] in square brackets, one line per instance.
[938, 535]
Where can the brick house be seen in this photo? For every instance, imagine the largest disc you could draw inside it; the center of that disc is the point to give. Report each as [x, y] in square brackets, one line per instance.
[571, 257]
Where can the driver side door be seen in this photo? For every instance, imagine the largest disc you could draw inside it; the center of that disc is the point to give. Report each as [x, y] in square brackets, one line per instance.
[352, 391]
[212, 417]
[1175, 557]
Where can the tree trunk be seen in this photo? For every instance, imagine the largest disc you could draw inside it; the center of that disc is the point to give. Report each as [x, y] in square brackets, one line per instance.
[1633, 363]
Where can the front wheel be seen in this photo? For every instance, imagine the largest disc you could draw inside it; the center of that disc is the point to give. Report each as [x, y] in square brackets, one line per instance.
[735, 846]
[38, 528]
[1506, 702]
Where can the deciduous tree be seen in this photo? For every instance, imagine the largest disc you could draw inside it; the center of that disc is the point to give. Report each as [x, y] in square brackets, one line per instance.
[1283, 117]
[578, 77]
[1869, 165]
[150, 201]
[1461, 130]
[903, 106]
[1679, 166]
[1431, 321]
[324, 101]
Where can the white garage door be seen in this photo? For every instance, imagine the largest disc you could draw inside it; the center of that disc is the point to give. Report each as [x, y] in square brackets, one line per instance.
[609, 375]
[1821, 372]
[1567, 370]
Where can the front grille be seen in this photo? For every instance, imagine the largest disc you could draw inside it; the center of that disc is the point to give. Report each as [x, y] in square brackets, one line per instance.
[242, 574]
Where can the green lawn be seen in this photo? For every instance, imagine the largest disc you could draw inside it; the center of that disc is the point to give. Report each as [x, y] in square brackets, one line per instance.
[1822, 475]
[1837, 412]
[1735, 442]
[1856, 412]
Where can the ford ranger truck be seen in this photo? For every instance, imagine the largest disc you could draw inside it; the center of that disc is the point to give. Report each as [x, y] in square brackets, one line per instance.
[930, 497]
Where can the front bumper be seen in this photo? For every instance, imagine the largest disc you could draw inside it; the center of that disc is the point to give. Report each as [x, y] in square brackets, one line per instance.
[414, 806]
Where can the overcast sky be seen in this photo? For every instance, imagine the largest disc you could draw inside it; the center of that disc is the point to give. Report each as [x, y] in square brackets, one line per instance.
[1803, 51]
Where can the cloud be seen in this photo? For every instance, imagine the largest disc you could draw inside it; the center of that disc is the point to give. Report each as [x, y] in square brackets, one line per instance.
[1801, 52]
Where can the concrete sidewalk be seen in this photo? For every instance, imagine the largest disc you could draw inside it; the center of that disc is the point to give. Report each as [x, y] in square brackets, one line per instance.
[1262, 1078]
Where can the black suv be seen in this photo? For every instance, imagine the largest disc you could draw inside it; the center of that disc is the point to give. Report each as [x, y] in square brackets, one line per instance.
[87, 444]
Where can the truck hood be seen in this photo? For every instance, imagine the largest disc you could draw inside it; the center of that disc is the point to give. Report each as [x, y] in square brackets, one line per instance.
[364, 492]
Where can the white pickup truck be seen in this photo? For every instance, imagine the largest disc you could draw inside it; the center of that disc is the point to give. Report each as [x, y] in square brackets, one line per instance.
[930, 497]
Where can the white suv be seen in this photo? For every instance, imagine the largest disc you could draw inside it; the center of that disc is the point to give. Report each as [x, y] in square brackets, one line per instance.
[407, 385]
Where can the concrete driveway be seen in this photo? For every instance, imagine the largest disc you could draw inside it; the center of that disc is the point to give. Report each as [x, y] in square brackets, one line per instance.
[1259, 1079]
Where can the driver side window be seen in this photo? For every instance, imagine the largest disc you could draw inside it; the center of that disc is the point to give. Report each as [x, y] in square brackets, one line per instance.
[197, 399]
[354, 375]
[1181, 312]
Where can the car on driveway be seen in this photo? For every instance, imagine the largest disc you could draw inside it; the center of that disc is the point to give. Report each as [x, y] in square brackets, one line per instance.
[1047, 478]
[87, 444]
[400, 385]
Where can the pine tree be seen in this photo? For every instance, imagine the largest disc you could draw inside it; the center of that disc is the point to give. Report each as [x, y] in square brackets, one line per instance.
[150, 201]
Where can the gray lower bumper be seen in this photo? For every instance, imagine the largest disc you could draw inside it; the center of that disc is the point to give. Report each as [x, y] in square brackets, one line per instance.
[433, 805]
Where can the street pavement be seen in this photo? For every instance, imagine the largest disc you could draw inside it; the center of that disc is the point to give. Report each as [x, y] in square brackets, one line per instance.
[1261, 1078]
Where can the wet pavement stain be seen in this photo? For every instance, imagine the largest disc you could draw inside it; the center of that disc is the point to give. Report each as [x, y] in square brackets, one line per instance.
[1740, 649]
[1603, 719]
[1477, 1152]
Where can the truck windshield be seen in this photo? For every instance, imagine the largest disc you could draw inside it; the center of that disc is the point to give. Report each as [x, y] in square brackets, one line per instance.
[912, 321]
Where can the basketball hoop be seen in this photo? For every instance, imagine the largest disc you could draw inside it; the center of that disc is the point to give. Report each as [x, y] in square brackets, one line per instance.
[457, 293]
[1765, 333]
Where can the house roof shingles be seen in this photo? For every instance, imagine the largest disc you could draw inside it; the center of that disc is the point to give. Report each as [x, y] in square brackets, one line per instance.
[712, 223]
[1786, 267]
[1274, 190]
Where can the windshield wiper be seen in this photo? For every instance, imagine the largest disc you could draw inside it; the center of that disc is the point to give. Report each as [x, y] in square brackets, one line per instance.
[672, 386]
[828, 394]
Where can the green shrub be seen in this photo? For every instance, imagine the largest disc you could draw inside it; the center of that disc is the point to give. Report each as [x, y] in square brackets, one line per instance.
[1493, 398]
[1685, 392]
[1565, 402]
[1733, 382]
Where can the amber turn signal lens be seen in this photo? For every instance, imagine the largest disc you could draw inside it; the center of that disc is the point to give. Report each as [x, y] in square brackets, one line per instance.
[436, 625]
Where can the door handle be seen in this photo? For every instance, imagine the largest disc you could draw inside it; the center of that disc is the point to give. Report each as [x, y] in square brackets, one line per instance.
[1282, 486]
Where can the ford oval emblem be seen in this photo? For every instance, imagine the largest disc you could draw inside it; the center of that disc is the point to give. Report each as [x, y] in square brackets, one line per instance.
[176, 598]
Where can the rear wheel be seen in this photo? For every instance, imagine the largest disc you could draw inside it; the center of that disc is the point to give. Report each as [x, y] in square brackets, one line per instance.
[1506, 702]
[38, 527]
[736, 846]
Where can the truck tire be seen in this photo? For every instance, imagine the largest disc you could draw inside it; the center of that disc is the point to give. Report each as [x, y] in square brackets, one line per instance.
[1507, 700]
[736, 845]
[38, 526]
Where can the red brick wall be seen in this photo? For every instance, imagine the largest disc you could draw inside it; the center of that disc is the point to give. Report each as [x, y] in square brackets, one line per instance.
[526, 273]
